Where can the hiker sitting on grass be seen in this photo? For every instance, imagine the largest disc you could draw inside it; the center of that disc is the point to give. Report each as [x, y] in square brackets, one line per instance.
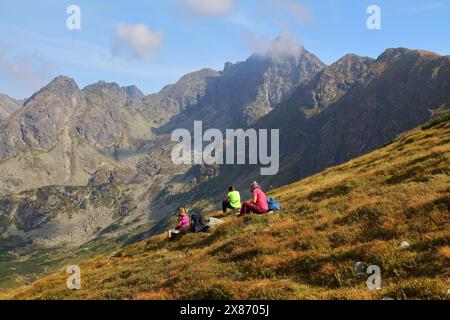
[201, 224]
[183, 223]
[232, 200]
[258, 204]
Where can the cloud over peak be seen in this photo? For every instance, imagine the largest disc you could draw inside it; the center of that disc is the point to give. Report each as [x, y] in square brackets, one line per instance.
[138, 38]
[284, 46]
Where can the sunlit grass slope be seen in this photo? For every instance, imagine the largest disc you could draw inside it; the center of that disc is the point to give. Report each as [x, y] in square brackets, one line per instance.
[358, 212]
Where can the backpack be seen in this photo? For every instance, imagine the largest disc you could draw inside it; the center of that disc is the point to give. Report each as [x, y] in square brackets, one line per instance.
[274, 205]
[198, 223]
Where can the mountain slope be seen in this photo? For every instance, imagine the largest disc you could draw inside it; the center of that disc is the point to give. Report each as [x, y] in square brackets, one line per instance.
[38, 124]
[66, 136]
[40, 144]
[133, 92]
[248, 90]
[398, 91]
[330, 84]
[173, 99]
[8, 106]
[357, 212]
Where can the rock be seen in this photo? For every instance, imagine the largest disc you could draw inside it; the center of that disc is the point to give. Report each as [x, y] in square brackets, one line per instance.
[360, 268]
[404, 245]
[147, 168]
[133, 92]
[105, 176]
[40, 121]
[102, 121]
[333, 82]
[83, 205]
[31, 214]
[99, 177]
[124, 209]
[202, 173]
[8, 106]
[174, 98]
[227, 66]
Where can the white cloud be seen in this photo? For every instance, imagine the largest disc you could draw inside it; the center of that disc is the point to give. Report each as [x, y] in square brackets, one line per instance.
[284, 46]
[32, 71]
[209, 7]
[139, 39]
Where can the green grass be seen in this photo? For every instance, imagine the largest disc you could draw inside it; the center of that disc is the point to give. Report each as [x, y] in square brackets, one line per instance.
[436, 121]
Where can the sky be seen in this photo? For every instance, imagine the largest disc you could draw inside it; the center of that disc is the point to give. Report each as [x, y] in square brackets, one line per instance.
[153, 43]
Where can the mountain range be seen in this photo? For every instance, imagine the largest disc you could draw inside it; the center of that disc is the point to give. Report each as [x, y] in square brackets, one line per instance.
[93, 164]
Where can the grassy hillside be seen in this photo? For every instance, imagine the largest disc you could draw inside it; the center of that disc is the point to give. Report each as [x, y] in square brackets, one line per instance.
[357, 212]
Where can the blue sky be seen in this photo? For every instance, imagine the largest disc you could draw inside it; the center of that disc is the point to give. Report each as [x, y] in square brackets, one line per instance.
[153, 43]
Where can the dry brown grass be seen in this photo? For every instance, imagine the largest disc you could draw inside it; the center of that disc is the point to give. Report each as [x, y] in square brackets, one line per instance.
[360, 211]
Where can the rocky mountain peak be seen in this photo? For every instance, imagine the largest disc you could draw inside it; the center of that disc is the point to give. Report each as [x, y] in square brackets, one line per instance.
[176, 97]
[350, 67]
[249, 90]
[350, 60]
[198, 75]
[61, 85]
[102, 87]
[62, 92]
[330, 84]
[227, 66]
[42, 120]
[133, 92]
[393, 54]
[106, 95]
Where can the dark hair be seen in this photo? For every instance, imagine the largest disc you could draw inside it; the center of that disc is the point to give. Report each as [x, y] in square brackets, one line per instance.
[231, 188]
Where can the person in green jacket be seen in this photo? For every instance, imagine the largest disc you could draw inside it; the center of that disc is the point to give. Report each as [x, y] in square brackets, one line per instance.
[232, 200]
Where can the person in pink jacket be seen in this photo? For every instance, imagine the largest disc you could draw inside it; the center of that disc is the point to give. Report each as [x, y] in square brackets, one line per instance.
[258, 204]
[183, 222]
